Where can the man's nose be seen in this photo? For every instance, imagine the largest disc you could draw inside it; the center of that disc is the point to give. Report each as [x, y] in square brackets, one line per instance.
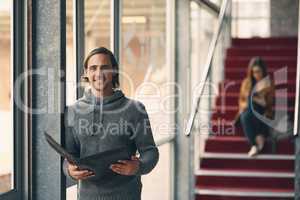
[99, 74]
[99, 71]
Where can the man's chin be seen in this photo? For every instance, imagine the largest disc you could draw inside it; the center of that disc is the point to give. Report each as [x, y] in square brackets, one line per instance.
[99, 89]
[98, 86]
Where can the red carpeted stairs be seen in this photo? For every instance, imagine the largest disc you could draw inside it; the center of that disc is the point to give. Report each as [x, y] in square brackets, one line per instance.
[226, 172]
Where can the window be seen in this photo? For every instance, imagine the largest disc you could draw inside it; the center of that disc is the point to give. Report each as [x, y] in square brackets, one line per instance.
[95, 30]
[147, 74]
[71, 77]
[70, 55]
[245, 24]
[11, 93]
[97, 24]
[146, 50]
[6, 108]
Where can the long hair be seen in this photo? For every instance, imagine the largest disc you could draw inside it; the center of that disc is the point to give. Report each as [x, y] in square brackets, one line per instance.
[113, 60]
[254, 62]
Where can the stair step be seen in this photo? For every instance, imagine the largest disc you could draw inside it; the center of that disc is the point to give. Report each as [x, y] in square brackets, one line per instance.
[235, 144]
[245, 182]
[282, 41]
[225, 128]
[265, 58]
[231, 99]
[261, 52]
[228, 108]
[231, 193]
[266, 47]
[240, 161]
[244, 173]
[243, 62]
[229, 113]
[240, 73]
[246, 157]
[233, 86]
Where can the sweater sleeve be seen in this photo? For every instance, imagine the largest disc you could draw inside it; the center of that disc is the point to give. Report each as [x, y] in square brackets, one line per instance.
[145, 144]
[269, 96]
[71, 142]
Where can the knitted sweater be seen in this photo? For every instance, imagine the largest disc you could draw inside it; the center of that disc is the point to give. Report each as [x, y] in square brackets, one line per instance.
[95, 125]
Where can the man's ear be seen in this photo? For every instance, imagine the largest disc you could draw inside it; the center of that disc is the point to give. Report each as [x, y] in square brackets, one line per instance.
[85, 73]
[84, 76]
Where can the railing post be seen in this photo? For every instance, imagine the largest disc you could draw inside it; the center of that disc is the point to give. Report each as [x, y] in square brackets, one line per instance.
[296, 122]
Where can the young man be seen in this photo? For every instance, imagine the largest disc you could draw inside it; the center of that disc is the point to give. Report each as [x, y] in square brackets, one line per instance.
[104, 119]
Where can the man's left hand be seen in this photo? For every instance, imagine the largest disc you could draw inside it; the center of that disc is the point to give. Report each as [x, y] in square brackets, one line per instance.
[126, 167]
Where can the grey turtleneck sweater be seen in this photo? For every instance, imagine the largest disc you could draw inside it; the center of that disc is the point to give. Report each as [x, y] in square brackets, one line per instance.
[95, 125]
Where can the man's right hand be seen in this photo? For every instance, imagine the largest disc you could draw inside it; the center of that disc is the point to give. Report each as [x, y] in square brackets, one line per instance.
[78, 174]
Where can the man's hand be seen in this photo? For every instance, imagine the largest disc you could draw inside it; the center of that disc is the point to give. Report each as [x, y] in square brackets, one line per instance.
[78, 174]
[127, 167]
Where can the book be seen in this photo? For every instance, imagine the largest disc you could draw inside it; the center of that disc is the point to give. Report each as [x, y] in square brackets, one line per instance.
[99, 163]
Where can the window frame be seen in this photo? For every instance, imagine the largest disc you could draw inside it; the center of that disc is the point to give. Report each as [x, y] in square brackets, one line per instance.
[20, 152]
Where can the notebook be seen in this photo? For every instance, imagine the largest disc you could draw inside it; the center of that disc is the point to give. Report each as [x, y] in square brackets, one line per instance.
[98, 163]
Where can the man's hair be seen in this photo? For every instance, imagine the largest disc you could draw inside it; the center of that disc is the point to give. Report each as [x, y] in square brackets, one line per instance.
[114, 63]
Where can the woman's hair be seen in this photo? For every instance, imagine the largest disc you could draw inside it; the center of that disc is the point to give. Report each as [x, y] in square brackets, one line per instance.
[255, 62]
[114, 63]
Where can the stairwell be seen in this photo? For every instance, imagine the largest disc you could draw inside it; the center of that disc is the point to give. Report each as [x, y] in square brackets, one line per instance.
[226, 172]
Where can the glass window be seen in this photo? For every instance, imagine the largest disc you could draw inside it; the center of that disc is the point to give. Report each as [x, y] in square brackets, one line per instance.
[70, 58]
[145, 59]
[245, 24]
[147, 75]
[97, 24]
[70, 75]
[145, 72]
[97, 33]
[157, 184]
[203, 26]
[6, 109]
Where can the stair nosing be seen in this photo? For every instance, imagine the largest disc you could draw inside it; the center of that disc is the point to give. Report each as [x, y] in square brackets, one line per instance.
[245, 156]
[224, 192]
[246, 173]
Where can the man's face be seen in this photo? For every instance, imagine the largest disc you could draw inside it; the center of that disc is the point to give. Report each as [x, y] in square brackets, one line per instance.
[99, 72]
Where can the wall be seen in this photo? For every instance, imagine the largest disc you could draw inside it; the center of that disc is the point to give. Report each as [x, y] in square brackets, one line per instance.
[284, 17]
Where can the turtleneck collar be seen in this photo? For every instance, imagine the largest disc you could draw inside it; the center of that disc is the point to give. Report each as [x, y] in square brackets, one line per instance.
[99, 104]
[90, 98]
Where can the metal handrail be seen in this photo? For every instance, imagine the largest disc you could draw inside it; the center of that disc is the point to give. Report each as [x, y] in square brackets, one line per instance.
[165, 140]
[297, 99]
[210, 5]
[207, 65]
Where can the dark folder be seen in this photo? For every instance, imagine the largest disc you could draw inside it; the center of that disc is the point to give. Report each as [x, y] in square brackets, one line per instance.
[98, 163]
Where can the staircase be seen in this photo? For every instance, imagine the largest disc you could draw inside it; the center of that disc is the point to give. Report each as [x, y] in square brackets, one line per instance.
[226, 172]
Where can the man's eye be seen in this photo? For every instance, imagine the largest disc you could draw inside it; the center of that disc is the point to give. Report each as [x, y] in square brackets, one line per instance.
[105, 69]
[93, 68]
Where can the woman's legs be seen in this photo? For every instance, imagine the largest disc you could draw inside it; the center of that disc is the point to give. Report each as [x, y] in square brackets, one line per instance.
[261, 130]
[246, 119]
[260, 141]
[254, 130]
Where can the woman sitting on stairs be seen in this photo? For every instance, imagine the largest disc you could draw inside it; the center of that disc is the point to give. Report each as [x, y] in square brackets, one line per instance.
[255, 101]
